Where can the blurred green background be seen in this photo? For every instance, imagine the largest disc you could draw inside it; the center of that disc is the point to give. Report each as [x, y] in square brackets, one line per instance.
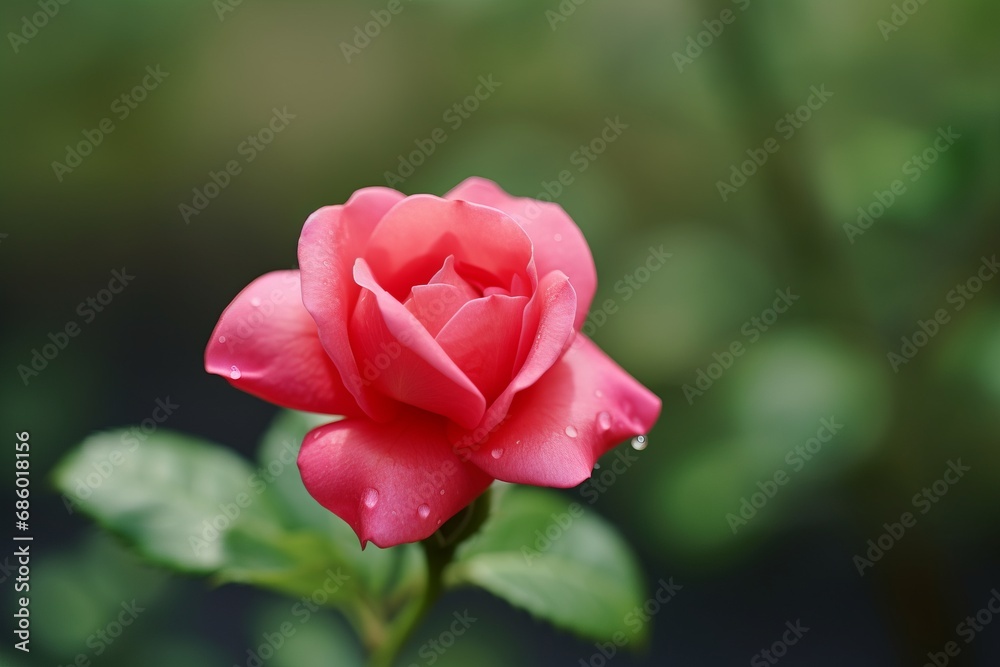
[702, 87]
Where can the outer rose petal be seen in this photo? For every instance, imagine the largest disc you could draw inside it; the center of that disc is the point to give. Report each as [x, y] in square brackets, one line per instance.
[393, 482]
[544, 222]
[332, 238]
[266, 344]
[558, 428]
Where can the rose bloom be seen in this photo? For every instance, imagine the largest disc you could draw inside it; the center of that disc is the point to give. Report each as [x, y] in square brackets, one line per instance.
[446, 331]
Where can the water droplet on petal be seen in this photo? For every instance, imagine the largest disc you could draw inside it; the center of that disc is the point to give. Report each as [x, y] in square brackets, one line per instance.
[369, 497]
[497, 453]
[639, 443]
[255, 302]
[424, 511]
[442, 492]
[439, 522]
[558, 237]
[571, 431]
[597, 466]
[604, 421]
[234, 373]
[222, 339]
[598, 393]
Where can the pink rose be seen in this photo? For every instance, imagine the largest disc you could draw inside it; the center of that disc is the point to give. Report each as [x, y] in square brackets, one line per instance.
[446, 331]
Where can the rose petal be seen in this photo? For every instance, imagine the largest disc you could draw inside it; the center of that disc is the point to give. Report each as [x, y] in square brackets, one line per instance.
[556, 430]
[435, 303]
[482, 339]
[393, 482]
[266, 344]
[410, 243]
[401, 358]
[332, 238]
[558, 242]
[449, 276]
[546, 332]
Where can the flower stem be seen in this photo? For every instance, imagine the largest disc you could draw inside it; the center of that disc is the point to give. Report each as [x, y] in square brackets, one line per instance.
[439, 550]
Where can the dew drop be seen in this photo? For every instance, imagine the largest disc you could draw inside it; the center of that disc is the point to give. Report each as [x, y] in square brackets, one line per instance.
[222, 339]
[639, 443]
[369, 497]
[424, 511]
[597, 466]
[442, 492]
[234, 373]
[439, 522]
[558, 237]
[571, 431]
[598, 393]
[604, 421]
[255, 302]
[497, 453]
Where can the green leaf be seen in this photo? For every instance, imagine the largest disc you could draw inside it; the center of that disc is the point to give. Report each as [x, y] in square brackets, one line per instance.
[557, 560]
[173, 497]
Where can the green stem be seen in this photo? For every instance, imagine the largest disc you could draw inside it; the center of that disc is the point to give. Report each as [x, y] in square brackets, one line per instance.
[439, 550]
